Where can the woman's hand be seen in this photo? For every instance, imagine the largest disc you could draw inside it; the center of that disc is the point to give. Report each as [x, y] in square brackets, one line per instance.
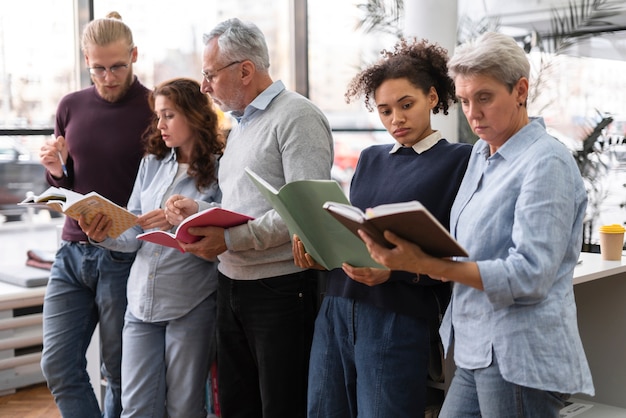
[154, 219]
[407, 256]
[404, 256]
[366, 275]
[179, 207]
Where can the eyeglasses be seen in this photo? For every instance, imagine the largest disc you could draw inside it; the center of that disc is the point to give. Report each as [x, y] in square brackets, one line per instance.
[210, 77]
[101, 72]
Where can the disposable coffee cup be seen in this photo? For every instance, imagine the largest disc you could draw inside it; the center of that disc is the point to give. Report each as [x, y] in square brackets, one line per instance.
[611, 241]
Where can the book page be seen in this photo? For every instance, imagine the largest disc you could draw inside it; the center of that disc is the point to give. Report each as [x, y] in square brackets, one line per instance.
[162, 238]
[52, 193]
[348, 211]
[390, 208]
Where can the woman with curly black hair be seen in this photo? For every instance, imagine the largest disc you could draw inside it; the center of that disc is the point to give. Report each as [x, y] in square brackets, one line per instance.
[372, 335]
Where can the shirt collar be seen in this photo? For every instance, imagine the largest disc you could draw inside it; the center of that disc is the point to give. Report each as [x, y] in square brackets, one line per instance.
[262, 101]
[171, 156]
[519, 142]
[421, 146]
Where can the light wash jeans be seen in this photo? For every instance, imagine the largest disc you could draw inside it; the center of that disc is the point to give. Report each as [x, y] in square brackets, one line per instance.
[483, 393]
[165, 365]
[367, 362]
[87, 286]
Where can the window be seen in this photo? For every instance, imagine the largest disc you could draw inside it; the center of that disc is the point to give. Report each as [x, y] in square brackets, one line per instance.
[37, 61]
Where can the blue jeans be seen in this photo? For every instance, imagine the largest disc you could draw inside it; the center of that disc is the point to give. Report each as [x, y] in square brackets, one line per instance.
[87, 286]
[367, 362]
[483, 393]
[264, 331]
[165, 365]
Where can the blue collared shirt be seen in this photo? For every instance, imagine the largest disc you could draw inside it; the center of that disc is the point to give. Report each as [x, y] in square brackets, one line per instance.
[164, 283]
[261, 102]
[519, 214]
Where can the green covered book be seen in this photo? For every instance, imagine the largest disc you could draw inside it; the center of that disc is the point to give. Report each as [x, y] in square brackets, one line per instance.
[300, 204]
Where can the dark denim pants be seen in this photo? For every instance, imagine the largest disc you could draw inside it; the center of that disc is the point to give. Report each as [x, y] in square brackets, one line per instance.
[367, 362]
[264, 333]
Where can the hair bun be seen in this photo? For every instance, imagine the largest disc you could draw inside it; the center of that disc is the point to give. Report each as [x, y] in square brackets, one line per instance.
[114, 15]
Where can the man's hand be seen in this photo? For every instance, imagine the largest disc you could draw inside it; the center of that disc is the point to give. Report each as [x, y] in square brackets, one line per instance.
[51, 153]
[98, 229]
[210, 246]
[301, 258]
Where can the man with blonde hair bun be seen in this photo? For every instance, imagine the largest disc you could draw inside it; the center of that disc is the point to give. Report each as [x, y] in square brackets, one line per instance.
[97, 147]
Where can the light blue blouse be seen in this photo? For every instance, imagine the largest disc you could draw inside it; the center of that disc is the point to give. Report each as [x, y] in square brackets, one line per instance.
[164, 283]
[519, 213]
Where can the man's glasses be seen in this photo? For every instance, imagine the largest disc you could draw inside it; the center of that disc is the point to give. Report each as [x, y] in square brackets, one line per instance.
[101, 72]
[210, 77]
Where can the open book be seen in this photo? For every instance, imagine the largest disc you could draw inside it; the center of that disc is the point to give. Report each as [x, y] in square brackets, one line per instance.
[299, 203]
[74, 204]
[214, 216]
[409, 220]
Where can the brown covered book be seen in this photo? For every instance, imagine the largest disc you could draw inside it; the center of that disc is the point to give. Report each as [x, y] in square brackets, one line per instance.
[409, 220]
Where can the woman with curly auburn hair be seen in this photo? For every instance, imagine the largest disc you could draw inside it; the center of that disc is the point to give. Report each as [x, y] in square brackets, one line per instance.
[197, 109]
[371, 344]
[170, 319]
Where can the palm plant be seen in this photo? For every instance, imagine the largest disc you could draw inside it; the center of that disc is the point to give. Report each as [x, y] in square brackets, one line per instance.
[382, 16]
[581, 20]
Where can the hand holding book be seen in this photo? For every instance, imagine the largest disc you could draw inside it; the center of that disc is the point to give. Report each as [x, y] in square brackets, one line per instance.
[74, 205]
[299, 203]
[214, 216]
[409, 220]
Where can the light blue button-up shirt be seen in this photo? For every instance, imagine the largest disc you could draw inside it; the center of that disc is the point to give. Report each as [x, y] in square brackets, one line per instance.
[164, 283]
[519, 214]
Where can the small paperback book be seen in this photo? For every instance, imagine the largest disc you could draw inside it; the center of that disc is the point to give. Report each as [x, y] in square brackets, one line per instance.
[409, 220]
[75, 204]
[214, 216]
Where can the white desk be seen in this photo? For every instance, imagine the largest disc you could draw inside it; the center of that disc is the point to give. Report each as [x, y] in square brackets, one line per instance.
[17, 332]
[20, 335]
[600, 291]
[17, 296]
[593, 267]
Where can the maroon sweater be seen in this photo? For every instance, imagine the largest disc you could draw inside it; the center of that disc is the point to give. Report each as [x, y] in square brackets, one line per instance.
[104, 145]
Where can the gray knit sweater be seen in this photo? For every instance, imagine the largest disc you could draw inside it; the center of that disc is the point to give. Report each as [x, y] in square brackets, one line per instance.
[282, 137]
